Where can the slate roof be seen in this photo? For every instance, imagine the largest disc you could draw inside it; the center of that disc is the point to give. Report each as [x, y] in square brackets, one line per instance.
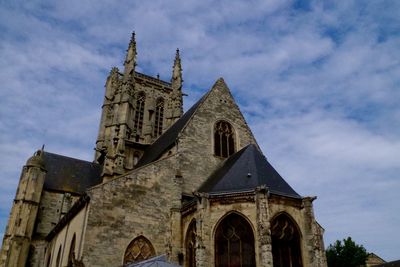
[159, 261]
[245, 170]
[167, 139]
[70, 175]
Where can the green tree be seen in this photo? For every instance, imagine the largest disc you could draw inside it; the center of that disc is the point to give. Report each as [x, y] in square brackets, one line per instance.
[346, 254]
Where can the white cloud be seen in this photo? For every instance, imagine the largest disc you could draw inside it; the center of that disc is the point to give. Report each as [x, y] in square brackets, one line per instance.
[319, 87]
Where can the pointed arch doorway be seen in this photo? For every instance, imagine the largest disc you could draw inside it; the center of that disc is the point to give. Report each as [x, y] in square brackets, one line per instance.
[234, 243]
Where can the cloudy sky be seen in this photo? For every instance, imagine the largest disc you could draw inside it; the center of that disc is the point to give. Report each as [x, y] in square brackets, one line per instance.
[318, 82]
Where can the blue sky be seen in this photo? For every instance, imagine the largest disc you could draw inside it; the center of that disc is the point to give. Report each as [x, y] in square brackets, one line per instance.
[318, 82]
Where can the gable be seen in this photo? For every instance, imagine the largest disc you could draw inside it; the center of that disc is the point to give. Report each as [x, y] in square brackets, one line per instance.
[196, 140]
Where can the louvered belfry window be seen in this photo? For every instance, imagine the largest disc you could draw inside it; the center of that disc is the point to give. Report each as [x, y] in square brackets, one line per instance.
[139, 113]
[234, 243]
[224, 144]
[285, 242]
[158, 125]
[190, 244]
[138, 250]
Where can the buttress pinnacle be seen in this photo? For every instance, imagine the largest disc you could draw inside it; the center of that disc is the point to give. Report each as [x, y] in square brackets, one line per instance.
[130, 61]
[177, 80]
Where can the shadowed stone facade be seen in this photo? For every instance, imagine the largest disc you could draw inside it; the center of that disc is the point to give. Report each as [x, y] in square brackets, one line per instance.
[195, 187]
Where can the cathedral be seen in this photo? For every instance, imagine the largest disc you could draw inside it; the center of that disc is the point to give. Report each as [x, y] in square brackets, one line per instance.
[192, 188]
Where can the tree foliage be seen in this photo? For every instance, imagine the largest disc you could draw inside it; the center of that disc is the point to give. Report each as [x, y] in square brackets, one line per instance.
[346, 254]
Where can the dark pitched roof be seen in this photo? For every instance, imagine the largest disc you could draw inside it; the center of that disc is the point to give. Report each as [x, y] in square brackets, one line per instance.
[167, 139]
[70, 175]
[246, 170]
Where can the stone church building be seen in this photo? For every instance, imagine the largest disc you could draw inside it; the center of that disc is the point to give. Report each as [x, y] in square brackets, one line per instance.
[193, 186]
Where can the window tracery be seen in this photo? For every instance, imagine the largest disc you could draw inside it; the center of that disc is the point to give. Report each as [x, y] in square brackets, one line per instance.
[139, 113]
[234, 243]
[285, 242]
[158, 125]
[224, 145]
[139, 249]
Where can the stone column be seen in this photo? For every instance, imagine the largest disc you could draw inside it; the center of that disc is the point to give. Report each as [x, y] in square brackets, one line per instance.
[263, 228]
[176, 222]
[313, 235]
[201, 253]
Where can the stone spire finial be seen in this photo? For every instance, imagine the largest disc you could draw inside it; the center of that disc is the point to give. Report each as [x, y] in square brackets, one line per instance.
[130, 61]
[177, 80]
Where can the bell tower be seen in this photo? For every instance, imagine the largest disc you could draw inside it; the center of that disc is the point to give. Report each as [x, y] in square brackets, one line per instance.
[137, 109]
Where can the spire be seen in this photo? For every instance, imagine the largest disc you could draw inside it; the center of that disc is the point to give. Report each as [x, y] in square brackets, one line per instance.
[130, 61]
[175, 101]
[177, 80]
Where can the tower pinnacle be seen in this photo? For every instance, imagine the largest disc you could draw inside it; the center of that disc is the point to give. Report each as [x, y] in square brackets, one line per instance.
[130, 61]
[177, 80]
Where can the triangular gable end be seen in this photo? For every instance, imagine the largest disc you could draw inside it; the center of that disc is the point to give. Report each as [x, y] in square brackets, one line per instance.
[196, 139]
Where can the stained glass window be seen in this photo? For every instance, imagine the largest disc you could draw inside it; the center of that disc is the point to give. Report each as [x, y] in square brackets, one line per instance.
[158, 125]
[286, 250]
[138, 250]
[224, 145]
[139, 113]
[234, 243]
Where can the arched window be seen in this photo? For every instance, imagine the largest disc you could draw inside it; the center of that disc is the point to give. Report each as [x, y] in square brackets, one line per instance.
[58, 257]
[71, 255]
[224, 144]
[190, 245]
[158, 125]
[139, 113]
[234, 243]
[286, 250]
[139, 249]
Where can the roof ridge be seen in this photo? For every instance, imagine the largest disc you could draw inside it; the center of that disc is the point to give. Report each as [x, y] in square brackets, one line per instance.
[68, 157]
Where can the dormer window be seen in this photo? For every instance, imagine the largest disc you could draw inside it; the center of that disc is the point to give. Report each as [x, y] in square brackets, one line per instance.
[224, 144]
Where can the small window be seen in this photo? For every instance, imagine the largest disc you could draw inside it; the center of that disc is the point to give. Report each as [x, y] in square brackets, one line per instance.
[158, 125]
[224, 145]
[139, 113]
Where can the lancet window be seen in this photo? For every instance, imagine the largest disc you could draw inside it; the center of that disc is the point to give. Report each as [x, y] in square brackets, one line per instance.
[190, 244]
[158, 125]
[138, 250]
[286, 250]
[139, 113]
[71, 255]
[224, 144]
[234, 243]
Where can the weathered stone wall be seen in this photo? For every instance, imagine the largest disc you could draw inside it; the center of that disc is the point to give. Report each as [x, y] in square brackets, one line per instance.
[209, 214]
[53, 205]
[196, 144]
[126, 207]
